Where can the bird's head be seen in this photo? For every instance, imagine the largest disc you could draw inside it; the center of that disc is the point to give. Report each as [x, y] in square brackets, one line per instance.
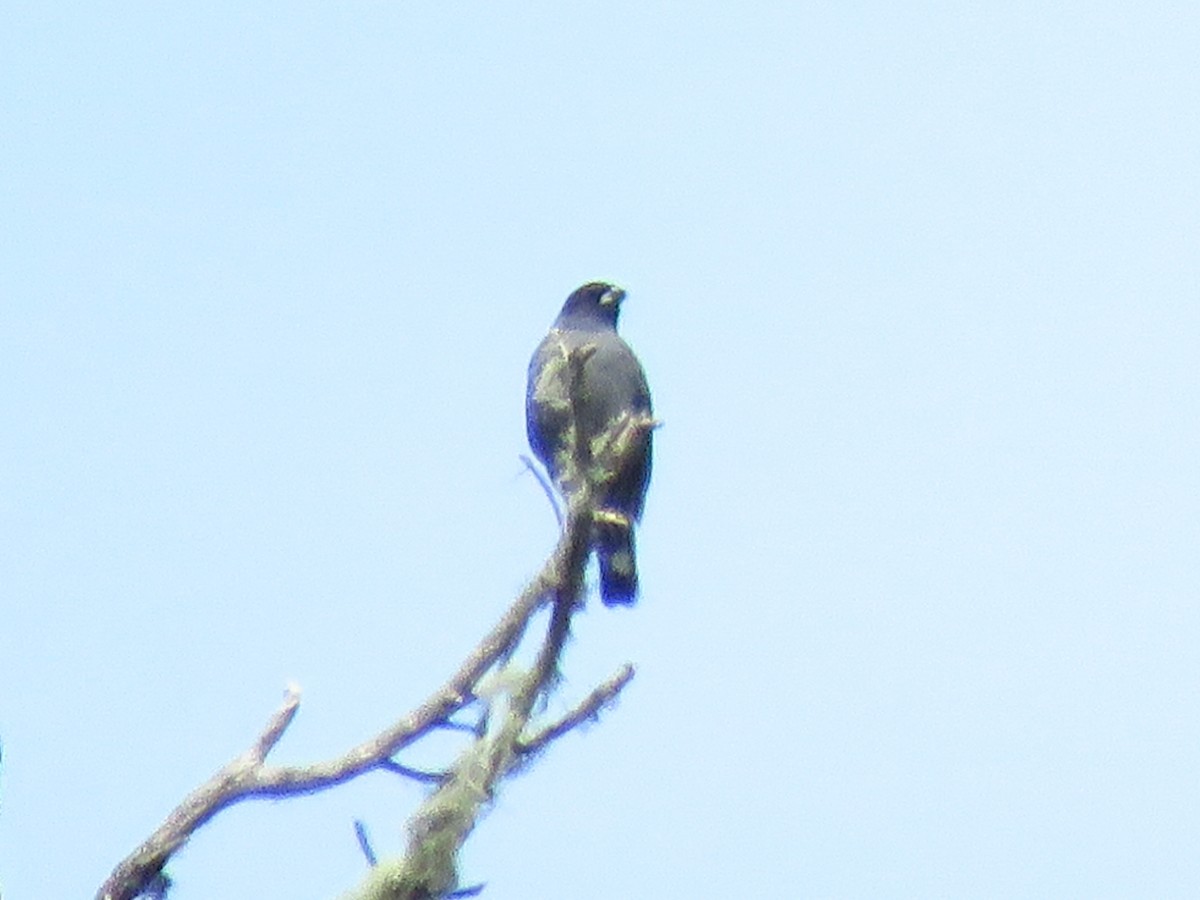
[596, 303]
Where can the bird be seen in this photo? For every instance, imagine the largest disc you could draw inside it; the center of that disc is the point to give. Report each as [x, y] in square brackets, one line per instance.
[608, 387]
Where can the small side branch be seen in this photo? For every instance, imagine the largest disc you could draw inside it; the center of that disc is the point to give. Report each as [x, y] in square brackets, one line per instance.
[588, 710]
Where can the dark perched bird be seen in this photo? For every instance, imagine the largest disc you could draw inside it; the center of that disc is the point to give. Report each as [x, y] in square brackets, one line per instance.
[571, 407]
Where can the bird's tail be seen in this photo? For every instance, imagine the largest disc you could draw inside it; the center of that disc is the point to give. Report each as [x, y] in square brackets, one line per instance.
[613, 537]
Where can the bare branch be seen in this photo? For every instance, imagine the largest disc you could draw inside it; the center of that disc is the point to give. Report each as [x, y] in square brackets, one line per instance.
[249, 776]
[589, 709]
[276, 725]
[142, 869]
[428, 868]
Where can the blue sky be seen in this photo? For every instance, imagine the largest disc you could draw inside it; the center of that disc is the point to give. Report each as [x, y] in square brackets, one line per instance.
[916, 290]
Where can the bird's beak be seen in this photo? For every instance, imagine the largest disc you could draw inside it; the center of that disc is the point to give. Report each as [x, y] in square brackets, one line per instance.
[612, 297]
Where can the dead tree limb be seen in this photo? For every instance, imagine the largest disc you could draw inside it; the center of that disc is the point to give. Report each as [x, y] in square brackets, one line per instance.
[438, 829]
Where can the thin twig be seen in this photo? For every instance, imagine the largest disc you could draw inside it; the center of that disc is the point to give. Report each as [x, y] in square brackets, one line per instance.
[547, 487]
[415, 774]
[588, 709]
[364, 843]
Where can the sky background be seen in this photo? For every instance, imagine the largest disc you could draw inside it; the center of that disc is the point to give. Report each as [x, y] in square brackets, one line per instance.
[916, 288]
